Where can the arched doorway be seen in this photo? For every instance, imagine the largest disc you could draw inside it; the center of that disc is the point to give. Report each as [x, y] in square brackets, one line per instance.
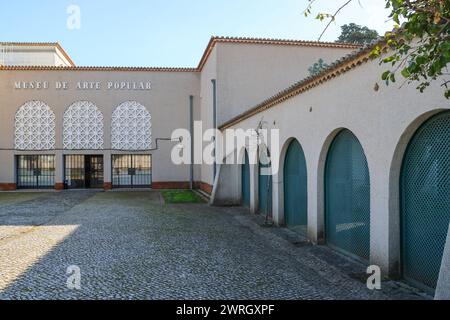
[264, 182]
[347, 197]
[295, 188]
[245, 181]
[425, 204]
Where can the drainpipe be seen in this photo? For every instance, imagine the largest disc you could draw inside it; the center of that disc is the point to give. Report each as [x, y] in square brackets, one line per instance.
[214, 122]
[191, 129]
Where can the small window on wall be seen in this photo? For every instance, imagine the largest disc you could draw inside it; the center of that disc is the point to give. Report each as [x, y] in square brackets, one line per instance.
[35, 171]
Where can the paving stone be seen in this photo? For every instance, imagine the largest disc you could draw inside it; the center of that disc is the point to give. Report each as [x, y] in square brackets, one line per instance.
[130, 246]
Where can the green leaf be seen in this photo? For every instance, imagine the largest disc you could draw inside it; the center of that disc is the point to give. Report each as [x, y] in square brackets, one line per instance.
[405, 73]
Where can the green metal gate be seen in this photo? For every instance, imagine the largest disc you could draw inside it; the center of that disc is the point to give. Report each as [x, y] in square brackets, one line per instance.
[264, 184]
[295, 187]
[347, 197]
[425, 201]
[246, 181]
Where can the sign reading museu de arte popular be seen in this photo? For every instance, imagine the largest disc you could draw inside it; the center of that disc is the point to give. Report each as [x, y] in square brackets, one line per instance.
[84, 85]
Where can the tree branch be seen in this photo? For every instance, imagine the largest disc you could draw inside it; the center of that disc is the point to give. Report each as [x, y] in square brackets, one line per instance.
[333, 17]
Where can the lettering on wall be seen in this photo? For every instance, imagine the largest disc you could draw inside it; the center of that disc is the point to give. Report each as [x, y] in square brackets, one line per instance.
[85, 85]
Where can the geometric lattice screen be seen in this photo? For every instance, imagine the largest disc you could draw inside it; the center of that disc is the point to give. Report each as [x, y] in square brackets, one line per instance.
[131, 127]
[83, 127]
[425, 201]
[34, 127]
[295, 187]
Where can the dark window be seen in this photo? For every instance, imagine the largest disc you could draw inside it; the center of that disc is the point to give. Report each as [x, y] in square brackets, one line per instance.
[130, 171]
[83, 171]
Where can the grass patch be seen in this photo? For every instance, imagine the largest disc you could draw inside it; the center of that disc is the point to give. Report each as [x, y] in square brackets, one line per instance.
[181, 196]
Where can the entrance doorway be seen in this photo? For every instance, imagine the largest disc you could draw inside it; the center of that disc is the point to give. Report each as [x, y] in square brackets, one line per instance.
[35, 171]
[83, 171]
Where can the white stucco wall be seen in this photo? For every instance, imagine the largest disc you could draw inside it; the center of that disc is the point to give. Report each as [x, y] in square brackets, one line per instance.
[209, 73]
[250, 73]
[247, 74]
[22, 55]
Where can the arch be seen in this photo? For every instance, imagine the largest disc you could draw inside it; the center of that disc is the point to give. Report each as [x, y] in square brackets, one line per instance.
[265, 199]
[131, 127]
[321, 184]
[424, 200]
[394, 191]
[347, 196]
[83, 127]
[34, 127]
[295, 194]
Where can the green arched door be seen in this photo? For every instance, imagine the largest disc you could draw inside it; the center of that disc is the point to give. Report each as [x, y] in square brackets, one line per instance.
[246, 181]
[295, 187]
[264, 183]
[425, 201]
[347, 197]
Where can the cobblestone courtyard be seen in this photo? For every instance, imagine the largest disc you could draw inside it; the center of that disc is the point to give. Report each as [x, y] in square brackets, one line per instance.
[131, 245]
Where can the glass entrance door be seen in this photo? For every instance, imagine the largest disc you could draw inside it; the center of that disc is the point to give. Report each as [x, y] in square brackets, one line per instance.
[94, 171]
[130, 171]
[83, 171]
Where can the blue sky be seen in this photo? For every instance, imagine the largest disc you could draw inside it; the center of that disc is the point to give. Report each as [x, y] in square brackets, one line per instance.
[170, 33]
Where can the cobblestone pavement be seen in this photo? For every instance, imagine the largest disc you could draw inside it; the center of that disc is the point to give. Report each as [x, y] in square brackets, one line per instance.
[130, 245]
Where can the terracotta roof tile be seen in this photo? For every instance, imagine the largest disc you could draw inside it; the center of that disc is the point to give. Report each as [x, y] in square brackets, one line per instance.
[268, 41]
[92, 68]
[213, 41]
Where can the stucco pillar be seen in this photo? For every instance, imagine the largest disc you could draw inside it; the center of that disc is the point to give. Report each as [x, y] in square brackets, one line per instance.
[59, 170]
[379, 221]
[316, 201]
[7, 171]
[253, 188]
[107, 171]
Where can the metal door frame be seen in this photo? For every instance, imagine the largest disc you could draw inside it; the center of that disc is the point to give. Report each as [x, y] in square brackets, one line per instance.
[86, 161]
[38, 159]
[132, 171]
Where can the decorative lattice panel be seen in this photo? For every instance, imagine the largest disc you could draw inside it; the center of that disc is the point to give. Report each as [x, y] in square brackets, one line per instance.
[425, 190]
[34, 127]
[131, 127]
[83, 127]
[347, 197]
